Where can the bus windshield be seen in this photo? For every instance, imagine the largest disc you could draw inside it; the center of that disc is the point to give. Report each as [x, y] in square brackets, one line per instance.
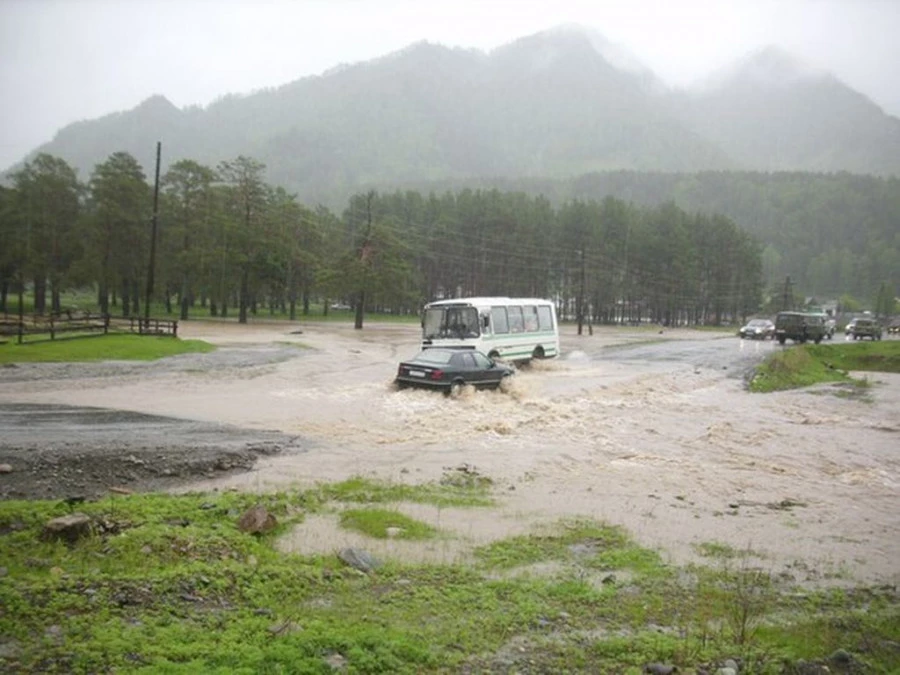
[452, 322]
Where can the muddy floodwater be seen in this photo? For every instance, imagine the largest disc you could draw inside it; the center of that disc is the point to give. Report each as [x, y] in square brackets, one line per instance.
[651, 430]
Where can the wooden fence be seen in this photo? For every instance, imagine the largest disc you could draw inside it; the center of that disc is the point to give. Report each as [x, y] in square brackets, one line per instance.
[81, 323]
[53, 324]
[149, 326]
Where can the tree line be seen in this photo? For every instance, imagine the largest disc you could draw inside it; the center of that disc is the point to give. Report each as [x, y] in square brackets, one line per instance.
[230, 243]
[833, 234]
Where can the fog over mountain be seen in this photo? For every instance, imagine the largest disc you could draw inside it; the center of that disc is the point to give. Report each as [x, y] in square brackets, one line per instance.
[559, 103]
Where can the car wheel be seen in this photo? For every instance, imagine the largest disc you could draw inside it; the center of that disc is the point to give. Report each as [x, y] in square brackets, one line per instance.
[456, 388]
[505, 383]
[781, 340]
[818, 340]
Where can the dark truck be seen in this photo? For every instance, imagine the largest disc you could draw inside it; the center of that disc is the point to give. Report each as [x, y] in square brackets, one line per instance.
[799, 327]
[865, 328]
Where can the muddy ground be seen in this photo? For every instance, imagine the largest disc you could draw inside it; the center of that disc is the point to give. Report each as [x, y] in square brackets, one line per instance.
[650, 430]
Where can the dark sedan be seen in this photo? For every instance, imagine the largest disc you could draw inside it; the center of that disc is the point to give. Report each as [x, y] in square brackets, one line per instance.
[449, 370]
[758, 329]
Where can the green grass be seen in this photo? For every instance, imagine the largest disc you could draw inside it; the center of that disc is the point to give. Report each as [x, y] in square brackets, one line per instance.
[379, 523]
[449, 492]
[805, 365]
[169, 583]
[100, 348]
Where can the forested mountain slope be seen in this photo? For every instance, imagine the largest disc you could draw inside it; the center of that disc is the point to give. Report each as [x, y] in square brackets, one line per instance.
[773, 113]
[554, 104]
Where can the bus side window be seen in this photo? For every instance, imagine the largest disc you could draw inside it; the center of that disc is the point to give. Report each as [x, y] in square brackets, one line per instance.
[531, 319]
[545, 317]
[499, 320]
[516, 321]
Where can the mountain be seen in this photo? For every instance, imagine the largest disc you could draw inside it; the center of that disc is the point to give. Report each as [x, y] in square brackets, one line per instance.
[772, 112]
[556, 104]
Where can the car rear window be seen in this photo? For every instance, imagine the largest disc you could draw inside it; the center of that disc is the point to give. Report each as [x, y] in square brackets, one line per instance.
[435, 356]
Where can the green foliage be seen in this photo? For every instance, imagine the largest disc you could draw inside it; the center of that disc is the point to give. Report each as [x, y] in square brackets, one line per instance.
[885, 301]
[100, 348]
[805, 365]
[848, 304]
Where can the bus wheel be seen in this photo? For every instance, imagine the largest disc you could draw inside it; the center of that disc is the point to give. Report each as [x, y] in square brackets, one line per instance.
[538, 352]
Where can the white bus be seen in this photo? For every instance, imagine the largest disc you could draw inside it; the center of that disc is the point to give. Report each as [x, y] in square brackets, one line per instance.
[510, 329]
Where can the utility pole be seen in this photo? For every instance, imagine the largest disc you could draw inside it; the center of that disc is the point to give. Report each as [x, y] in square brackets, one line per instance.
[364, 253]
[787, 300]
[153, 239]
[581, 294]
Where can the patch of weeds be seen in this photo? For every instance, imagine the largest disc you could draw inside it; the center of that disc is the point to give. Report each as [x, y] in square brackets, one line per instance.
[583, 543]
[793, 368]
[365, 491]
[717, 550]
[805, 365]
[384, 524]
[466, 477]
[738, 596]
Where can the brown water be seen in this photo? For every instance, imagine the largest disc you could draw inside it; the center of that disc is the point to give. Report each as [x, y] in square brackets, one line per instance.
[675, 451]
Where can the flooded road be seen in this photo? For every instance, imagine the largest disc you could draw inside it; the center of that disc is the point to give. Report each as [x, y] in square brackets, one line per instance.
[652, 431]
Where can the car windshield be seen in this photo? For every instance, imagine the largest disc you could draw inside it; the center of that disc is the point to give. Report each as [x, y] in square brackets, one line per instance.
[758, 323]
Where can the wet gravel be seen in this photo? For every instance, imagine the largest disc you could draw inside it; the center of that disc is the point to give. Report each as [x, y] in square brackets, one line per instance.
[61, 452]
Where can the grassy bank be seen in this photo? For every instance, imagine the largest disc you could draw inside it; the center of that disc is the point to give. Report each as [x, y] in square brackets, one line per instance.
[170, 584]
[805, 365]
[100, 347]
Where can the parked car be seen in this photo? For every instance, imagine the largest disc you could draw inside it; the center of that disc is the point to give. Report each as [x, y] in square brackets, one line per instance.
[799, 327]
[849, 327]
[866, 328]
[758, 329]
[449, 370]
[894, 327]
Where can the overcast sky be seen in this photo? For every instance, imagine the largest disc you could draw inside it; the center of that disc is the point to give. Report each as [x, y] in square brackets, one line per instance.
[68, 60]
